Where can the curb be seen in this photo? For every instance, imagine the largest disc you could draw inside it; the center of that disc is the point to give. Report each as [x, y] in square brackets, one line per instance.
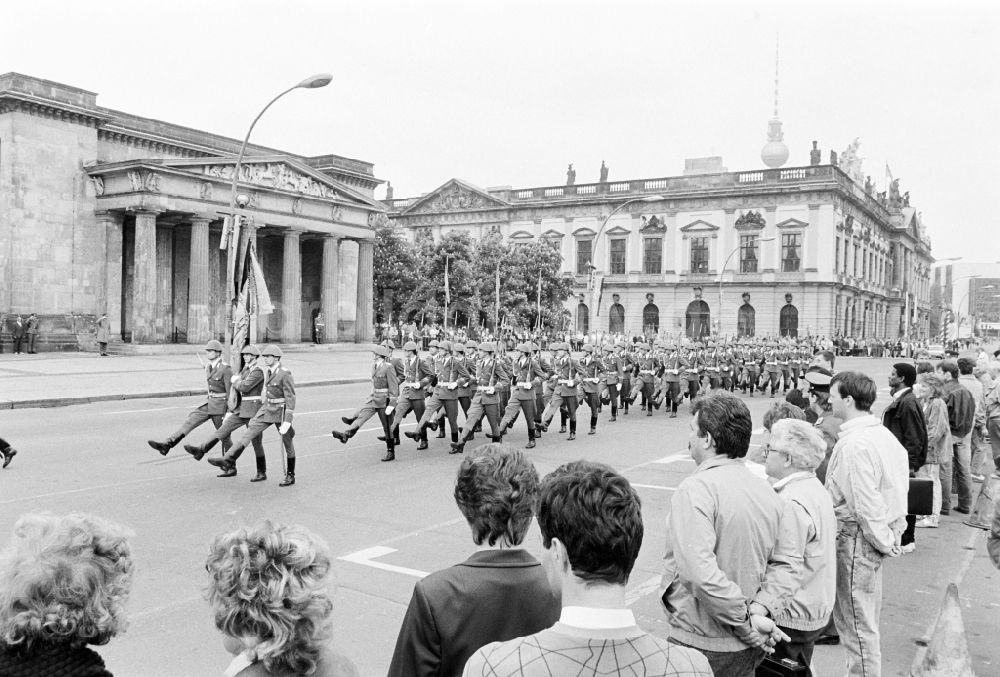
[69, 401]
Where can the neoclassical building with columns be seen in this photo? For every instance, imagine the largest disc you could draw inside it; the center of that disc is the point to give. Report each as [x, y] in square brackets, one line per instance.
[792, 251]
[106, 212]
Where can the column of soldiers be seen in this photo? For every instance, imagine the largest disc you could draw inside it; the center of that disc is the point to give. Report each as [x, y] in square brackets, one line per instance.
[485, 381]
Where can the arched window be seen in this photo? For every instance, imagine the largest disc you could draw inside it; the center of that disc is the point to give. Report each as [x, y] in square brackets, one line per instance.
[788, 321]
[616, 319]
[699, 319]
[582, 318]
[650, 319]
[746, 319]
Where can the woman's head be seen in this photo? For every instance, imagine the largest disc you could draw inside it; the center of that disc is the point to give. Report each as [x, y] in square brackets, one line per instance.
[496, 490]
[929, 386]
[267, 586]
[64, 580]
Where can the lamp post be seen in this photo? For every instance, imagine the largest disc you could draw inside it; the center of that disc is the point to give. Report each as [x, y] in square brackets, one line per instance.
[722, 272]
[314, 82]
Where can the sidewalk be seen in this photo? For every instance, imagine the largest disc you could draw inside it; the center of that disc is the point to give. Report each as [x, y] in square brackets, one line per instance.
[61, 379]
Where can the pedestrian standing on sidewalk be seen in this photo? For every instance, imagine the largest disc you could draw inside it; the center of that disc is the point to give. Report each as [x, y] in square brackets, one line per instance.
[905, 419]
[929, 390]
[218, 376]
[961, 418]
[868, 480]
[17, 334]
[32, 332]
[991, 400]
[7, 453]
[103, 333]
[978, 448]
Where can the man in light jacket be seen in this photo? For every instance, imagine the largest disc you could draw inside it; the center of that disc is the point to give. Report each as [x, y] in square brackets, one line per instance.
[868, 480]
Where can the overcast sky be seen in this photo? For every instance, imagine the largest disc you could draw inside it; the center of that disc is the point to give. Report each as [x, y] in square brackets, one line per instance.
[510, 93]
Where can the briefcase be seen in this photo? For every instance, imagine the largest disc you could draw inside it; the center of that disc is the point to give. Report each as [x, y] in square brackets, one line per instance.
[784, 667]
[920, 498]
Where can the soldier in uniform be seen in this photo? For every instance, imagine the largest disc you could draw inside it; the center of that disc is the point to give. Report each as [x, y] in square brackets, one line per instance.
[692, 374]
[592, 370]
[673, 365]
[785, 364]
[277, 406]
[466, 387]
[773, 367]
[794, 365]
[613, 368]
[7, 452]
[385, 391]
[219, 377]
[418, 374]
[565, 370]
[489, 372]
[450, 374]
[628, 365]
[524, 373]
[244, 403]
[646, 366]
[713, 364]
[539, 388]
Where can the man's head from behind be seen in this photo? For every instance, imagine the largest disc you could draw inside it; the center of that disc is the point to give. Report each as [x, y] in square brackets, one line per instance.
[966, 365]
[721, 426]
[949, 370]
[591, 523]
[852, 393]
[496, 490]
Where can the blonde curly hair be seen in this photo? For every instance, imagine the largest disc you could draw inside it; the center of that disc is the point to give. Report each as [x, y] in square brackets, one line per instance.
[64, 580]
[268, 589]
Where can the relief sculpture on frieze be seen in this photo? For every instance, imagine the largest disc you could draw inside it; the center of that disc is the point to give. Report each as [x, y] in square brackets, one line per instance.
[455, 199]
[147, 181]
[275, 175]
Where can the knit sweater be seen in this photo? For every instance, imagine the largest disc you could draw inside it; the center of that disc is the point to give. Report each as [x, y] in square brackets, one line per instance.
[51, 660]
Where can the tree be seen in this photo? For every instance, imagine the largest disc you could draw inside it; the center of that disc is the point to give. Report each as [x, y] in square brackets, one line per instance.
[454, 252]
[395, 271]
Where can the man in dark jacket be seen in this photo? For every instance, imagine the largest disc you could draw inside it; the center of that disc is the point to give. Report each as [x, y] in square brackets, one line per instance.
[961, 416]
[905, 419]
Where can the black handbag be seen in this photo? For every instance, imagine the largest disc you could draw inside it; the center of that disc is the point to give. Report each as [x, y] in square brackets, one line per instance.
[920, 498]
[784, 667]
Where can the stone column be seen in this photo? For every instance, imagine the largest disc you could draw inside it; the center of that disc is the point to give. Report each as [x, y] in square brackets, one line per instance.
[110, 301]
[144, 279]
[329, 301]
[366, 290]
[291, 283]
[199, 283]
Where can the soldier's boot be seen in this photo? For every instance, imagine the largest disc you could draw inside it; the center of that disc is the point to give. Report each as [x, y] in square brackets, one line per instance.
[419, 434]
[454, 437]
[543, 426]
[572, 430]
[289, 474]
[614, 412]
[563, 417]
[673, 408]
[390, 451]
[227, 462]
[478, 428]
[531, 440]
[593, 425]
[261, 469]
[165, 446]
[348, 420]
[338, 435]
[457, 447]
[199, 450]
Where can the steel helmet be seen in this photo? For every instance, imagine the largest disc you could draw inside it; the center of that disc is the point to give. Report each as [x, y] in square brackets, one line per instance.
[270, 350]
[214, 345]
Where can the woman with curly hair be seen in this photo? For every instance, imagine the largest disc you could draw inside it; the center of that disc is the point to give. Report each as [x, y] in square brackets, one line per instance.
[267, 586]
[498, 593]
[63, 585]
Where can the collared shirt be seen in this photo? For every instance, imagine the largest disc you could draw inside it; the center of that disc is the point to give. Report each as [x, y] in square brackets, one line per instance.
[899, 393]
[240, 662]
[868, 480]
[593, 618]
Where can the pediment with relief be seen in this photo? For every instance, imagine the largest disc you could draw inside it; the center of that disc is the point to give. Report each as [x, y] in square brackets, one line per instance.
[274, 175]
[699, 225]
[792, 223]
[455, 196]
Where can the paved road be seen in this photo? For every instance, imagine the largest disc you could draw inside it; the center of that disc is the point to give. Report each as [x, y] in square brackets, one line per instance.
[386, 523]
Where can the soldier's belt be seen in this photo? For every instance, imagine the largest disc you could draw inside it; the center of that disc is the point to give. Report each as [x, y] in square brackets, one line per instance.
[645, 371]
[376, 390]
[276, 400]
[218, 396]
[251, 398]
[484, 388]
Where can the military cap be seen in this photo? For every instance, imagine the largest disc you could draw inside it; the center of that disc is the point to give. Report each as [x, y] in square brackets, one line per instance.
[270, 350]
[471, 345]
[488, 347]
[434, 343]
[458, 347]
[559, 345]
[213, 345]
[533, 346]
[608, 347]
[620, 344]
[587, 348]
[445, 345]
[819, 379]
[389, 344]
[381, 350]
[410, 345]
[523, 347]
[250, 349]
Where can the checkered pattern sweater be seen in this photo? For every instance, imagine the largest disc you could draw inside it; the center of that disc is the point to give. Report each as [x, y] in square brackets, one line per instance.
[52, 660]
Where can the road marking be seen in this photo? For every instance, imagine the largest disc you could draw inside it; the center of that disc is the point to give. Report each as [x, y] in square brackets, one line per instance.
[322, 411]
[653, 486]
[675, 458]
[760, 431]
[367, 557]
[638, 592]
[166, 607]
[133, 411]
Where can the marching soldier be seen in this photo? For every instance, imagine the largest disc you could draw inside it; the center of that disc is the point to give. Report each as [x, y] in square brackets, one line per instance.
[564, 396]
[218, 376]
[592, 370]
[467, 386]
[489, 372]
[645, 370]
[672, 367]
[692, 374]
[418, 374]
[751, 368]
[627, 366]
[277, 406]
[244, 403]
[525, 373]
[385, 391]
[772, 367]
[613, 368]
[450, 373]
[713, 364]
[784, 363]
[539, 388]
[794, 365]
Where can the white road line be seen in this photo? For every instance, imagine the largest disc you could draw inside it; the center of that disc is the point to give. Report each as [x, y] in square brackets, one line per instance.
[653, 486]
[675, 458]
[322, 411]
[132, 411]
[166, 607]
[645, 588]
[760, 431]
[367, 556]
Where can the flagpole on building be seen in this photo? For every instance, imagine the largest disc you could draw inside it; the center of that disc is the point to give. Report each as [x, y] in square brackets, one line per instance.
[230, 236]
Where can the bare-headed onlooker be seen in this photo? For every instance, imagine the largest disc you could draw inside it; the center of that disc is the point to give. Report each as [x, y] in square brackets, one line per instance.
[64, 582]
[268, 591]
[977, 438]
[929, 389]
[794, 451]
[868, 480]
[823, 359]
[498, 593]
[961, 419]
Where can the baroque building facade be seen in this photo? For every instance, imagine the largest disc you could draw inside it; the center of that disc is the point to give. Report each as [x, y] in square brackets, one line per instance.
[106, 212]
[773, 252]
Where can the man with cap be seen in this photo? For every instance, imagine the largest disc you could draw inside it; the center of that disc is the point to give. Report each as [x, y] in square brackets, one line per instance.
[524, 373]
[490, 371]
[103, 334]
[566, 371]
[418, 373]
[612, 379]
[450, 373]
[539, 388]
[218, 376]
[277, 406]
[467, 387]
[385, 391]
[692, 374]
[904, 417]
[244, 403]
[591, 372]
[772, 367]
[628, 365]
[646, 367]
[673, 365]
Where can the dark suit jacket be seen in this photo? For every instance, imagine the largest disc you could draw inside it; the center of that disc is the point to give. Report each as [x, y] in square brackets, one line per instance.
[905, 419]
[495, 595]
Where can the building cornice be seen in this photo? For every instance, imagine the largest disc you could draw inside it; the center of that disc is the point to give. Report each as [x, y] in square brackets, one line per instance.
[12, 101]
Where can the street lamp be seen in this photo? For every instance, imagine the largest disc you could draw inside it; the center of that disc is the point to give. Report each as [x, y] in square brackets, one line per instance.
[314, 82]
[722, 272]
